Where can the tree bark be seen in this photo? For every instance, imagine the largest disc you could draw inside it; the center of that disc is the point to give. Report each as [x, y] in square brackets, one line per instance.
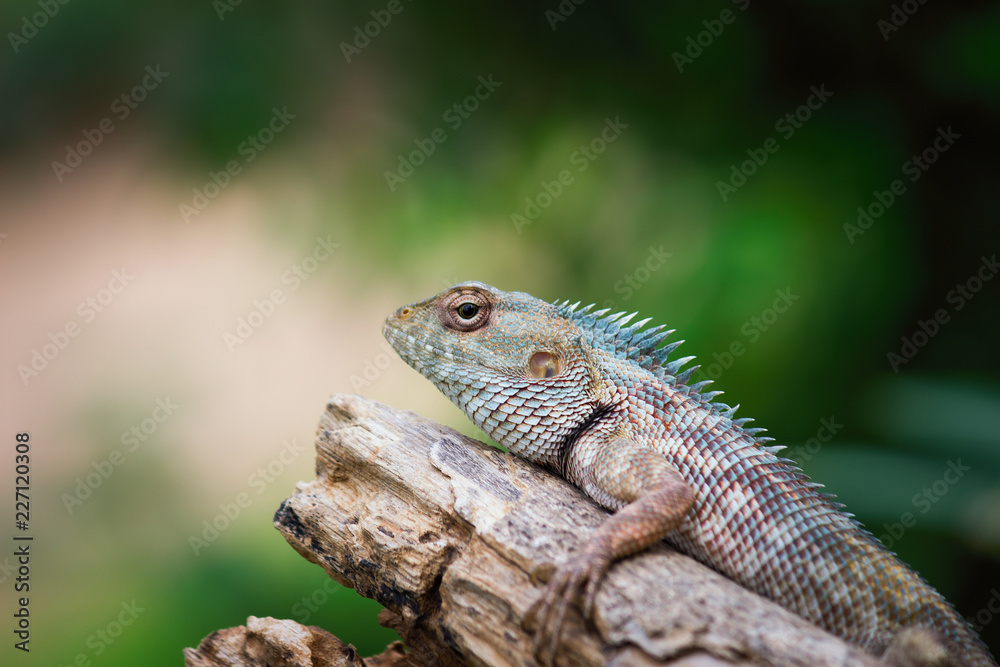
[454, 538]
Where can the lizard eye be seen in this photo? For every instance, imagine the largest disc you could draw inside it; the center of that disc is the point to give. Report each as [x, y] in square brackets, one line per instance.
[543, 365]
[467, 310]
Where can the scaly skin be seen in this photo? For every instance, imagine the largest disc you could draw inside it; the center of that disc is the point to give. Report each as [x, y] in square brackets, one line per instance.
[600, 404]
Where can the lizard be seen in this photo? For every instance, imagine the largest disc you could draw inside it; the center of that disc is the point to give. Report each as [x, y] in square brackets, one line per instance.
[602, 403]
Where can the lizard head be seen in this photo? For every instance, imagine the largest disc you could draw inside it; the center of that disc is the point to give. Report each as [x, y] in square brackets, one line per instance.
[520, 369]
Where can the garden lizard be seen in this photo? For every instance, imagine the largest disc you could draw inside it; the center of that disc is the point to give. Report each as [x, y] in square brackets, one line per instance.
[602, 404]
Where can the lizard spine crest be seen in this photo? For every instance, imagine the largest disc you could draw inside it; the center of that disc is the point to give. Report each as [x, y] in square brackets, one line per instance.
[641, 346]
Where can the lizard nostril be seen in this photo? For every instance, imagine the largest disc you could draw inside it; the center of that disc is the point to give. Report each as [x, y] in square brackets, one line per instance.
[405, 312]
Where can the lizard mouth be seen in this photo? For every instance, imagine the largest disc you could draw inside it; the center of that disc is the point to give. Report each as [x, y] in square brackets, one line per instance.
[401, 337]
[417, 345]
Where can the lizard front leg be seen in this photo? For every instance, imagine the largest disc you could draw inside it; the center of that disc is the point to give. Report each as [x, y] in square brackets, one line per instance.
[651, 498]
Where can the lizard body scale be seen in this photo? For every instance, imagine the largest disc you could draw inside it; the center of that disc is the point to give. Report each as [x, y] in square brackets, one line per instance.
[601, 403]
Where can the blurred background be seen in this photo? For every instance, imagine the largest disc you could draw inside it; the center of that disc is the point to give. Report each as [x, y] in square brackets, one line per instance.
[208, 208]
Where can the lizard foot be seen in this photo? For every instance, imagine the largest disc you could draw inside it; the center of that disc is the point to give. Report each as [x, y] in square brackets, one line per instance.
[582, 572]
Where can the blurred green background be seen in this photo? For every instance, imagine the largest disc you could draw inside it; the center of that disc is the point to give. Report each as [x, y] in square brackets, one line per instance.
[717, 201]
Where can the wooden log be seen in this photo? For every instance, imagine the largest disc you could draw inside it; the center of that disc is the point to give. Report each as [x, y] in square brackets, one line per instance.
[269, 642]
[454, 538]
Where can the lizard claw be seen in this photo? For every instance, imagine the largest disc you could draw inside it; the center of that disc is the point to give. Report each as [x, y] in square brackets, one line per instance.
[581, 573]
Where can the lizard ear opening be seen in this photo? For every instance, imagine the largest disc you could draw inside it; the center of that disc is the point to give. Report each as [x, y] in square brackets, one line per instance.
[544, 365]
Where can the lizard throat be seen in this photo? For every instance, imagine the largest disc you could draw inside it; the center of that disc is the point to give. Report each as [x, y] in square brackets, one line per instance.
[566, 446]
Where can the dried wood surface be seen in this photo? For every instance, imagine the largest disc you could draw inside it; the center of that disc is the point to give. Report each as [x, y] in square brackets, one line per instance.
[269, 642]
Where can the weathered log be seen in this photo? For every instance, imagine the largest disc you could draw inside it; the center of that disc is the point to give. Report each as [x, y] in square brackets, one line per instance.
[453, 537]
[269, 642]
